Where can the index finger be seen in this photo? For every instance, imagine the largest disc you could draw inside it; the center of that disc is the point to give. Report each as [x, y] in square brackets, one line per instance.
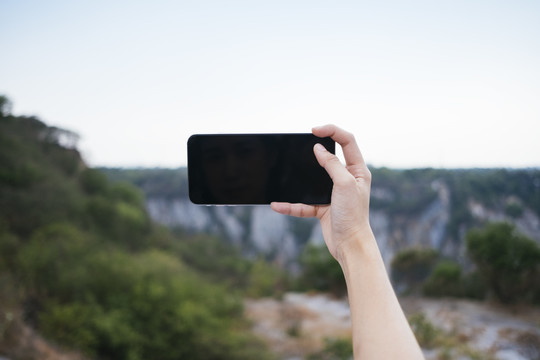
[351, 151]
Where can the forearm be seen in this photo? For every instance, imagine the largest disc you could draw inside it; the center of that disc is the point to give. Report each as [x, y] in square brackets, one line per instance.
[380, 329]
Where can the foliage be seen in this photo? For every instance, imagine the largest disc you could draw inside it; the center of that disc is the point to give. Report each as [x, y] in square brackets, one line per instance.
[37, 184]
[5, 106]
[508, 261]
[265, 280]
[427, 335]
[451, 345]
[449, 280]
[213, 258]
[445, 280]
[147, 305]
[93, 273]
[334, 349]
[507, 265]
[94, 182]
[415, 191]
[320, 271]
[514, 210]
[223, 263]
[401, 192]
[157, 182]
[410, 267]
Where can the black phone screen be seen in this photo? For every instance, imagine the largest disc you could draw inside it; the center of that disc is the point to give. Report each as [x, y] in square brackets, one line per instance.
[251, 169]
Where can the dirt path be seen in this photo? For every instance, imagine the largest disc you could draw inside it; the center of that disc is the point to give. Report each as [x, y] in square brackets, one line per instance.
[298, 324]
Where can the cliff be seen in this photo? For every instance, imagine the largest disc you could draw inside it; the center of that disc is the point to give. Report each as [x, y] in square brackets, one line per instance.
[420, 207]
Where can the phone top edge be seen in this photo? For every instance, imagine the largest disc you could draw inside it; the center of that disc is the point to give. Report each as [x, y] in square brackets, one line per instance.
[204, 204]
[247, 134]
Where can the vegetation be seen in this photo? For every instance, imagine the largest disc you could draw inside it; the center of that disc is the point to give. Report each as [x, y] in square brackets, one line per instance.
[158, 182]
[411, 267]
[83, 264]
[445, 280]
[399, 192]
[450, 344]
[320, 271]
[506, 264]
[334, 349]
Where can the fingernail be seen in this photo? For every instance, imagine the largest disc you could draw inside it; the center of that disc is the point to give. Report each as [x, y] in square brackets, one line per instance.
[319, 147]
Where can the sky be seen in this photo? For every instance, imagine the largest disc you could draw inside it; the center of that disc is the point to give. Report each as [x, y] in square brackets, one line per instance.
[419, 83]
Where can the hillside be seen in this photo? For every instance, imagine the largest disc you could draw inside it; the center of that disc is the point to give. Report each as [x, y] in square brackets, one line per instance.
[85, 273]
[419, 207]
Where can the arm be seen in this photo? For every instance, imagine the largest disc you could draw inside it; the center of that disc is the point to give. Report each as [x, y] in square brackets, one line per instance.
[380, 329]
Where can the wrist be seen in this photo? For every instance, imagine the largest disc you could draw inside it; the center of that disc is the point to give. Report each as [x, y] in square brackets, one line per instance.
[360, 247]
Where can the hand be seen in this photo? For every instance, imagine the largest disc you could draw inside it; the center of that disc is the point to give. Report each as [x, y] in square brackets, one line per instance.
[346, 219]
[375, 311]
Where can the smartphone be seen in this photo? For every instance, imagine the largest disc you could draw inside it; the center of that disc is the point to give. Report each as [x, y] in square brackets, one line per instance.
[256, 169]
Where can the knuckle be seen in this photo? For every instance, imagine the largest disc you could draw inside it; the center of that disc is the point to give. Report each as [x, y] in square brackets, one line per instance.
[348, 137]
[345, 181]
[368, 175]
[332, 160]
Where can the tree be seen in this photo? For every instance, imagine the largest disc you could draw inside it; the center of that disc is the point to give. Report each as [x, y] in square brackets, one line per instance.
[445, 280]
[5, 106]
[508, 261]
[320, 271]
[410, 267]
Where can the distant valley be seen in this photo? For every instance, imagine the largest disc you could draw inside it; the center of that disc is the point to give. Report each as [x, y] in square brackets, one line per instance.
[409, 208]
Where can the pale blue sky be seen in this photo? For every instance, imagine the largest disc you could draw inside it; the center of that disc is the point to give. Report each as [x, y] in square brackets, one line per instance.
[420, 83]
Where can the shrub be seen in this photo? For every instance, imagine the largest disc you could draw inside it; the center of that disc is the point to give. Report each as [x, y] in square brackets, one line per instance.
[445, 280]
[146, 305]
[320, 271]
[51, 256]
[410, 267]
[334, 349]
[265, 280]
[426, 333]
[94, 182]
[507, 260]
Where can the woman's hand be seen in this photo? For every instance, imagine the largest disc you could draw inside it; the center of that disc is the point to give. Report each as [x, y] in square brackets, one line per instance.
[380, 329]
[346, 219]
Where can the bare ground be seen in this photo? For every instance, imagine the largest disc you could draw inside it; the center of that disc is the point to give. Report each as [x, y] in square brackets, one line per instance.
[298, 324]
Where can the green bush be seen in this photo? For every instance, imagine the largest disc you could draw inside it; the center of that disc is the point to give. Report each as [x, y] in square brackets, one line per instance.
[125, 223]
[265, 280]
[474, 286]
[91, 271]
[508, 261]
[427, 334]
[52, 255]
[212, 257]
[445, 280]
[9, 247]
[320, 271]
[94, 182]
[514, 210]
[334, 349]
[127, 193]
[411, 267]
[142, 306]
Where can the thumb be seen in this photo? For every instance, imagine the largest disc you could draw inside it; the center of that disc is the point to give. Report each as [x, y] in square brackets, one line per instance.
[330, 162]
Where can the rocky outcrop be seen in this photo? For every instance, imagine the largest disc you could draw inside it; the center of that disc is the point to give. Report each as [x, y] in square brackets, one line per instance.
[418, 207]
[260, 231]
